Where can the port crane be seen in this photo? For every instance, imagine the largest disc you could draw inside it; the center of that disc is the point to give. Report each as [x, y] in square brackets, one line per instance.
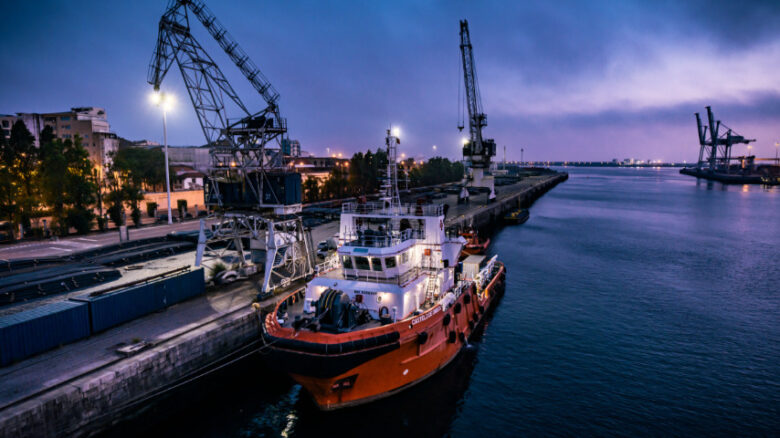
[477, 150]
[715, 152]
[254, 199]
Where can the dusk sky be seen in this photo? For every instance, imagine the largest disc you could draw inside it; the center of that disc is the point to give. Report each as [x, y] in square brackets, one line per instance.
[564, 80]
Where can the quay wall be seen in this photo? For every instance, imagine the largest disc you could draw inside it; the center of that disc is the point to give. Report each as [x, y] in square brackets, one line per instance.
[95, 401]
[494, 212]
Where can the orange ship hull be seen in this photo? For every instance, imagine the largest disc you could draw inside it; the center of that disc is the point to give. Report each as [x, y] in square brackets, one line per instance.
[340, 370]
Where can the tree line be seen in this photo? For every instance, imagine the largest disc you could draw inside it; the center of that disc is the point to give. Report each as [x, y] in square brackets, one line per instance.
[57, 180]
[364, 174]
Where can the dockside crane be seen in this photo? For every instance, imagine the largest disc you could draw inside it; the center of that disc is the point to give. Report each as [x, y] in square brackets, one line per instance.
[715, 152]
[251, 194]
[477, 150]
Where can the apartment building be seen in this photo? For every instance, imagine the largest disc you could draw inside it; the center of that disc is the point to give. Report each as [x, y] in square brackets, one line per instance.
[89, 123]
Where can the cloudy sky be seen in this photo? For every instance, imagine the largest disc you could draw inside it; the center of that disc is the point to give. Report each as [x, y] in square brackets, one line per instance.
[579, 80]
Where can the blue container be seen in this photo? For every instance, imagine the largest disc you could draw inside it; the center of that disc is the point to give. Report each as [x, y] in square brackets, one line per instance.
[180, 288]
[112, 309]
[34, 331]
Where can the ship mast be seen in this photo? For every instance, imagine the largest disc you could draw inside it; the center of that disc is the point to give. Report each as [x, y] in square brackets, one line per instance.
[390, 196]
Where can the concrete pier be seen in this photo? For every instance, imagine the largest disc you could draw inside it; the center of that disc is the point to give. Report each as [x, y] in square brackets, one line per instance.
[84, 387]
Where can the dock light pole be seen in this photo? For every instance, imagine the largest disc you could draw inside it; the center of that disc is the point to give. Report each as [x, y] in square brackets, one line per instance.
[165, 101]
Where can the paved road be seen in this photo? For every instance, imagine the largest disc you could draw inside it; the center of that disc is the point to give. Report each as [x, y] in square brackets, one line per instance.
[69, 245]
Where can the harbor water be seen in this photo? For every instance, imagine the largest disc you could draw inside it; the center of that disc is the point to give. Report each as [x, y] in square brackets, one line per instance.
[638, 302]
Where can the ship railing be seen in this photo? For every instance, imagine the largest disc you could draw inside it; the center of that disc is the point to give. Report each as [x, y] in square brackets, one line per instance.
[378, 277]
[330, 263]
[372, 239]
[379, 208]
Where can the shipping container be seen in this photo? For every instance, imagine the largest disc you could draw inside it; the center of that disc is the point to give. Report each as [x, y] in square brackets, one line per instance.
[36, 330]
[114, 308]
[180, 288]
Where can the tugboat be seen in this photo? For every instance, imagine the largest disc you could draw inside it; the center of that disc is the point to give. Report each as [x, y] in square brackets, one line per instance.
[474, 245]
[390, 309]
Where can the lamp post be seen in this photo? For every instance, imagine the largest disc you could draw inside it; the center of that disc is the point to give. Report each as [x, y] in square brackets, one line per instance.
[165, 101]
[776, 157]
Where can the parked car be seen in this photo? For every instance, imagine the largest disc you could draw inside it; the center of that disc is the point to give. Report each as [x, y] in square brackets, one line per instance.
[325, 247]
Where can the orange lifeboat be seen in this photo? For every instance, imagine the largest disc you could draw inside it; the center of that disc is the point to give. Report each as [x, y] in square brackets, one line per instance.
[474, 245]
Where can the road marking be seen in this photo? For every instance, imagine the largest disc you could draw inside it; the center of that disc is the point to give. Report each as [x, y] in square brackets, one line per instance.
[61, 249]
[88, 240]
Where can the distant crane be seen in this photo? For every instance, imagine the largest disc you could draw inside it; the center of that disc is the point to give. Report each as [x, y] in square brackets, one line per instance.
[248, 187]
[708, 151]
[477, 151]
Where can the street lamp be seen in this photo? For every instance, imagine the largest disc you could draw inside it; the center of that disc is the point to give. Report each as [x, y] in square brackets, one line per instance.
[776, 158]
[165, 101]
[434, 148]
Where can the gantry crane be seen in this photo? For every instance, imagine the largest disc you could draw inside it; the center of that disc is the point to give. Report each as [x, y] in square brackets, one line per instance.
[708, 149]
[253, 197]
[477, 151]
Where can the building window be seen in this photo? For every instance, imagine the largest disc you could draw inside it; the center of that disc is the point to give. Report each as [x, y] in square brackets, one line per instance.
[65, 118]
[346, 261]
[376, 263]
[65, 135]
[66, 127]
[86, 136]
[362, 263]
[390, 262]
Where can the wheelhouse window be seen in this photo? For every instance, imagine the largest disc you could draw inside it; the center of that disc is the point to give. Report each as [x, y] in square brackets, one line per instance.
[390, 262]
[362, 263]
[376, 263]
[405, 257]
[346, 261]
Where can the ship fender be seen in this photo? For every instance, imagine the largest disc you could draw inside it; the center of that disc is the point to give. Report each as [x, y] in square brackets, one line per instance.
[422, 338]
[452, 337]
[457, 308]
[467, 299]
[446, 320]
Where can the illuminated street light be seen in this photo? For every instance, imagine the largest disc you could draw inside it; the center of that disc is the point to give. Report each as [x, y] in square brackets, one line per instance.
[165, 101]
[396, 132]
[434, 147]
[465, 141]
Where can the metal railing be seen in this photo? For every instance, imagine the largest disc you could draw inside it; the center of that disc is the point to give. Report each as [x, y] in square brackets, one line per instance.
[377, 239]
[378, 208]
[379, 277]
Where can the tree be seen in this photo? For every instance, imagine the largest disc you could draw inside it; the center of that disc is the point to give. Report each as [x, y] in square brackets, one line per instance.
[66, 183]
[145, 168]
[311, 189]
[19, 162]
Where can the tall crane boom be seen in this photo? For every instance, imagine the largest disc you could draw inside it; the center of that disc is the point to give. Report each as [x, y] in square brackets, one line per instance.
[251, 193]
[477, 151]
[206, 84]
